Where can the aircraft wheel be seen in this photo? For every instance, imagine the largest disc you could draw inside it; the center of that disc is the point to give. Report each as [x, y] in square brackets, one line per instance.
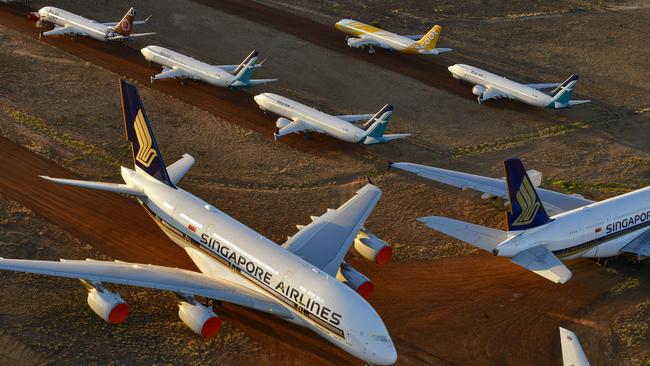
[371, 50]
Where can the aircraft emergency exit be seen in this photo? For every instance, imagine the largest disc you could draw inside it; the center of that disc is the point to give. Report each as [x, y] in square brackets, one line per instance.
[544, 226]
[305, 281]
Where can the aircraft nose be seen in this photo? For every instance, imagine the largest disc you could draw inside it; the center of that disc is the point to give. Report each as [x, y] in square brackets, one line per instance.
[385, 356]
[451, 68]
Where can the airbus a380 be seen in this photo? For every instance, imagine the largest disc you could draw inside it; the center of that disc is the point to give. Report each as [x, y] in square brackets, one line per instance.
[577, 227]
[177, 65]
[365, 35]
[299, 118]
[305, 281]
[490, 86]
[67, 23]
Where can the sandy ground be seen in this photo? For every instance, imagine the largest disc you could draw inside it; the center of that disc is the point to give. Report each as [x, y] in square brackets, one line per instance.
[273, 186]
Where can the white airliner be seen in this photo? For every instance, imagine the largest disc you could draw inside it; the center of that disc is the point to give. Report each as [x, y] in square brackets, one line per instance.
[305, 281]
[365, 35]
[572, 353]
[299, 118]
[578, 227]
[491, 86]
[176, 65]
[67, 23]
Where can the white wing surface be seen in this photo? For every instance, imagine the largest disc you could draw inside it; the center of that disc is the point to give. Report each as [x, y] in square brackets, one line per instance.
[492, 93]
[479, 236]
[326, 240]
[554, 202]
[365, 41]
[60, 31]
[173, 73]
[543, 85]
[355, 117]
[150, 276]
[639, 245]
[572, 353]
[543, 262]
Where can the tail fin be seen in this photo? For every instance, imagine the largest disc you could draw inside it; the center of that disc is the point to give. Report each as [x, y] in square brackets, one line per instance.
[378, 124]
[384, 113]
[429, 41]
[146, 155]
[562, 94]
[526, 209]
[125, 26]
[244, 71]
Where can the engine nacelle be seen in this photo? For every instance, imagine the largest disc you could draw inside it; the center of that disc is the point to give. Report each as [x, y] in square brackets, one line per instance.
[355, 280]
[202, 320]
[372, 248]
[478, 90]
[282, 122]
[109, 306]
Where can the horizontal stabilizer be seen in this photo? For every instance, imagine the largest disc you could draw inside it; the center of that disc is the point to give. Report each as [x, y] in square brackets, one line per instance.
[252, 82]
[479, 236]
[110, 187]
[355, 117]
[177, 170]
[541, 261]
[395, 136]
[436, 51]
[572, 353]
[576, 102]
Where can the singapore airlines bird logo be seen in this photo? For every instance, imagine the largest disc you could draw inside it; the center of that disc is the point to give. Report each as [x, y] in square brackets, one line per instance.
[146, 153]
[526, 197]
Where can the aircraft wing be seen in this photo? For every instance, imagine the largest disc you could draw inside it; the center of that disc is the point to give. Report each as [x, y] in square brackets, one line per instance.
[136, 22]
[492, 93]
[543, 262]
[415, 37]
[173, 73]
[296, 126]
[355, 117]
[543, 86]
[639, 245]
[110, 187]
[326, 240]
[60, 31]
[366, 41]
[554, 202]
[572, 353]
[150, 276]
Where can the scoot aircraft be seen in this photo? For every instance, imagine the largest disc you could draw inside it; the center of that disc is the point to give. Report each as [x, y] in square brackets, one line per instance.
[176, 65]
[572, 353]
[579, 228]
[365, 35]
[305, 281]
[299, 118]
[490, 86]
[67, 23]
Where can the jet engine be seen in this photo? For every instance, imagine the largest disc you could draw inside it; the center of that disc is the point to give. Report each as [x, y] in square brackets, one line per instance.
[372, 248]
[108, 305]
[282, 122]
[355, 280]
[478, 90]
[201, 319]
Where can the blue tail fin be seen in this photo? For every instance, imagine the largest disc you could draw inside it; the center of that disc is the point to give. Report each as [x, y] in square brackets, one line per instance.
[244, 71]
[376, 126]
[144, 148]
[526, 209]
[562, 94]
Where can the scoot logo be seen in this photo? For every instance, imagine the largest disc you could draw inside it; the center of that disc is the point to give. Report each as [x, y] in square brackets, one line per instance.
[424, 42]
[146, 152]
[526, 197]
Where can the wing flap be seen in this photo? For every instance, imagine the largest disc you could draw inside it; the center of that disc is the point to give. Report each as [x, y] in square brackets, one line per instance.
[479, 236]
[541, 261]
[149, 276]
[326, 240]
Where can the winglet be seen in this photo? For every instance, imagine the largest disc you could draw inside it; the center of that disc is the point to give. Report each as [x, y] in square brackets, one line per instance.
[526, 209]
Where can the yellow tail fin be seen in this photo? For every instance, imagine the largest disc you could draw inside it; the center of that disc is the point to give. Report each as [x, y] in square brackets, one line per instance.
[429, 41]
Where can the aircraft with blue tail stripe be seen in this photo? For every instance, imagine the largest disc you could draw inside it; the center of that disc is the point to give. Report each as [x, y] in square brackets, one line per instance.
[544, 226]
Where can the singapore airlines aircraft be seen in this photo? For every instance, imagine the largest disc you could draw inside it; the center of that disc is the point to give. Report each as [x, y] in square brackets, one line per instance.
[578, 227]
[176, 65]
[364, 35]
[572, 353]
[490, 86]
[299, 118]
[305, 281]
[67, 23]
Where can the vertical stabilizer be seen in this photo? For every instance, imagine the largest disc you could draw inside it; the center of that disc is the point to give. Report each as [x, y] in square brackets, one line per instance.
[526, 209]
[429, 41]
[244, 71]
[125, 26]
[562, 94]
[146, 155]
[377, 125]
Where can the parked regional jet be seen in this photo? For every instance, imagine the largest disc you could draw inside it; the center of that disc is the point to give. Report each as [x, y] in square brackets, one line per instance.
[176, 65]
[572, 353]
[305, 281]
[364, 35]
[578, 227]
[299, 118]
[491, 86]
[67, 23]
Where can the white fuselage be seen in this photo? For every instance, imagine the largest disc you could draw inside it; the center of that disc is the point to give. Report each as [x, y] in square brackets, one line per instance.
[358, 29]
[196, 69]
[597, 230]
[321, 122]
[83, 25]
[224, 247]
[508, 87]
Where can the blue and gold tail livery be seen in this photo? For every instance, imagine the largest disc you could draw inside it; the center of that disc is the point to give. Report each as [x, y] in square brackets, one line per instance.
[146, 154]
[526, 209]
